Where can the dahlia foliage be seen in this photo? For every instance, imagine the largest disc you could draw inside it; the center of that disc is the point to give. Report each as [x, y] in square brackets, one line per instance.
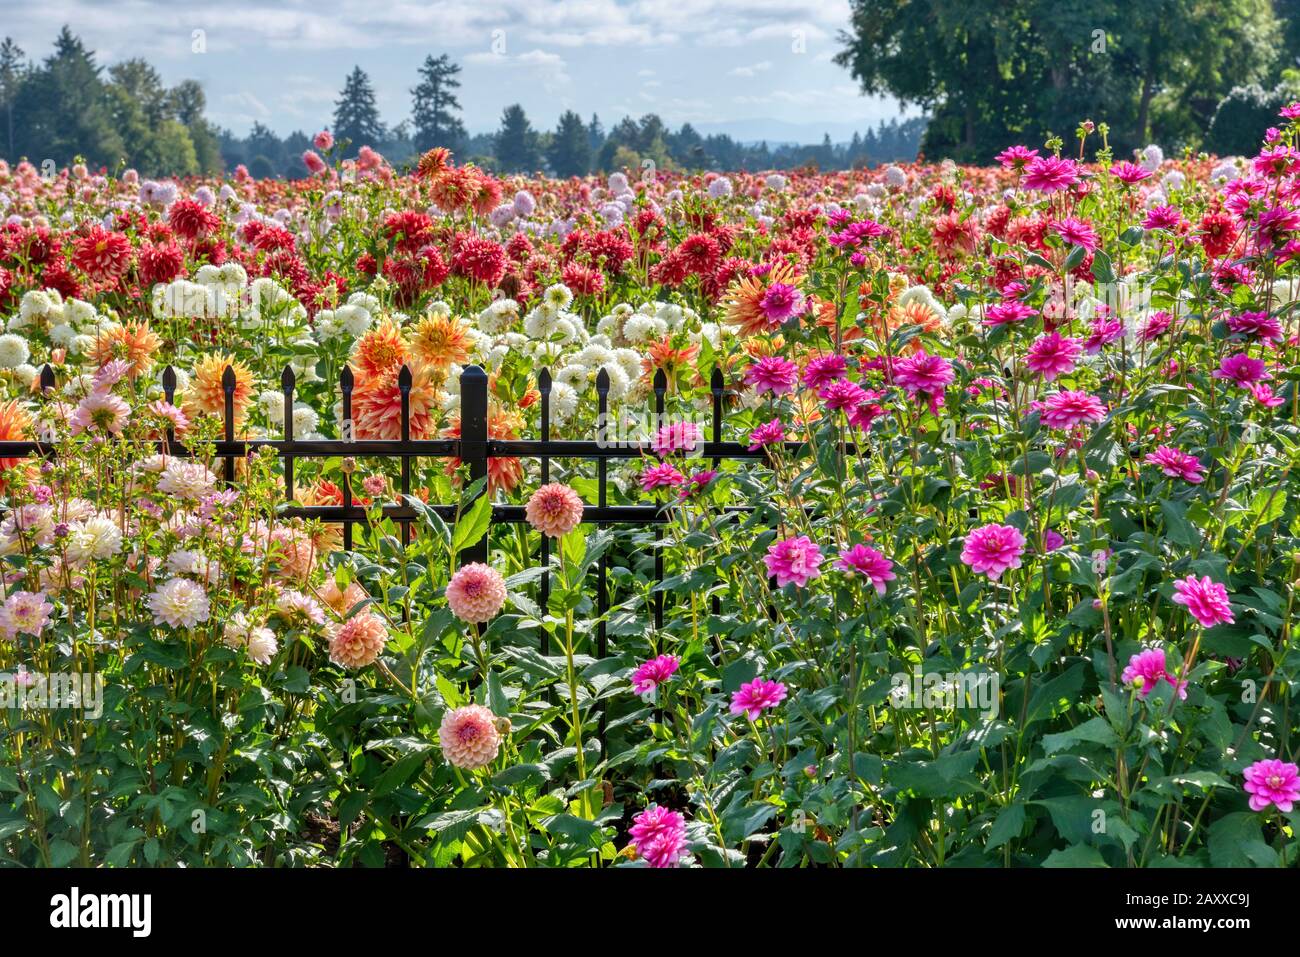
[1005, 575]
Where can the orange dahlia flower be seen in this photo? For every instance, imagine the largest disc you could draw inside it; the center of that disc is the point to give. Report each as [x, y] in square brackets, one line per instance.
[440, 341]
[206, 396]
[133, 342]
[377, 403]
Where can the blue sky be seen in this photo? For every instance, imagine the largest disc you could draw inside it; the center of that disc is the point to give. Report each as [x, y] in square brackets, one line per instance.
[754, 68]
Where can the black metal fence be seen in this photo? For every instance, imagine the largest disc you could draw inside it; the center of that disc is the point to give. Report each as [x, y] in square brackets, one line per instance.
[474, 447]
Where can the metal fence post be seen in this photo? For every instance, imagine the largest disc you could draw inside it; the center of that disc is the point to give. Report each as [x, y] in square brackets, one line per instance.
[474, 441]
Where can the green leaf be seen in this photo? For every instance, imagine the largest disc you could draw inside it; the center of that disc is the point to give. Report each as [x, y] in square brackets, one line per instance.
[473, 525]
[1081, 855]
[1237, 840]
[1093, 731]
[1010, 822]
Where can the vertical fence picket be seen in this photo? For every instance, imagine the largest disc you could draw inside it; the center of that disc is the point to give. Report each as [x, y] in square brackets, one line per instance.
[544, 387]
[345, 386]
[47, 378]
[287, 382]
[602, 499]
[474, 442]
[716, 387]
[228, 388]
[404, 388]
[169, 395]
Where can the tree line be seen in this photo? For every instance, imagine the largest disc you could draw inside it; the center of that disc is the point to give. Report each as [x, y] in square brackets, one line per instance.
[69, 106]
[991, 73]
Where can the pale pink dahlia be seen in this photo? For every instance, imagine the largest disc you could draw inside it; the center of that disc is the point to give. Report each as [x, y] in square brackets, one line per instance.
[659, 836]
[100, 412]
[757, 696]
[469, 737]
[25, 612]
[179, 603]
[554, 510]
[1149, 668]
[476, 592]
[992, 549]
[1207, 600]
[358, 641]
[866, 561]
[793, 560]
[651, 674]
[1272, 782]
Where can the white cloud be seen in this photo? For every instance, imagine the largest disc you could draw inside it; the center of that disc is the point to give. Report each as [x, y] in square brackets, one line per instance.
[749, 71]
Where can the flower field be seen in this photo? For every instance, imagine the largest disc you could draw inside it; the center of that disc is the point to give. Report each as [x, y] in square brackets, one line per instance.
[1002, 572]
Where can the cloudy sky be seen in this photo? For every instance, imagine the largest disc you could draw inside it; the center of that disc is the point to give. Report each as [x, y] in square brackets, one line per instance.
[754, 68]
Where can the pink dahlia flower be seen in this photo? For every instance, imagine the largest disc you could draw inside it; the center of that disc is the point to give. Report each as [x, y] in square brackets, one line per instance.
[659, 836]
[1053, 355]
[469, 737]
[1149, 668]
[1207, 600]
[923, 373]
[1242, 369]
[992, 549]
[358, 641]
[866, 561]
[824, 370]
[679, 436]
[1051, 174]
[793, 560]
[757, 696]
[1071, 407]
[554, 510]
[769, 433]
[1177, 464]
[476, 592]
[1272, 782]
[651, 674]
[772, 374]
[661, 476]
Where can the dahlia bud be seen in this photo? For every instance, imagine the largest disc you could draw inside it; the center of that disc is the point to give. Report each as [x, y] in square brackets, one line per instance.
[502, 725]
[348, 465]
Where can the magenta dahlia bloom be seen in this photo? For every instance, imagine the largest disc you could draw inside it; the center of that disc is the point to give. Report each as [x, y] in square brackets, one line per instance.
[1149, 668]
[824, 370]
[769, 433]
[842, 394]
[992, 549]
[1052, 540]
[1077, 232]
[866, 561]
[661, 476]
[675, 437]
[781, 302]
[1177, 464]
[1129, 173]
[651, 674]
[1051, 174]
[1259, 325]
[1242, 369]
[922, 372]
[1207, 600]
[659, 836]
[793, 560]
[1163, 217]
[1053, 354]
[1272, 782]
[1016, 157]
[1071, 407]
[772, 374]
[757, 696]
[1007, 312]
[1265, 396]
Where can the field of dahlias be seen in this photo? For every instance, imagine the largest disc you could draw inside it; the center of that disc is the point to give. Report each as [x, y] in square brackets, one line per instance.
[1005, 575]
